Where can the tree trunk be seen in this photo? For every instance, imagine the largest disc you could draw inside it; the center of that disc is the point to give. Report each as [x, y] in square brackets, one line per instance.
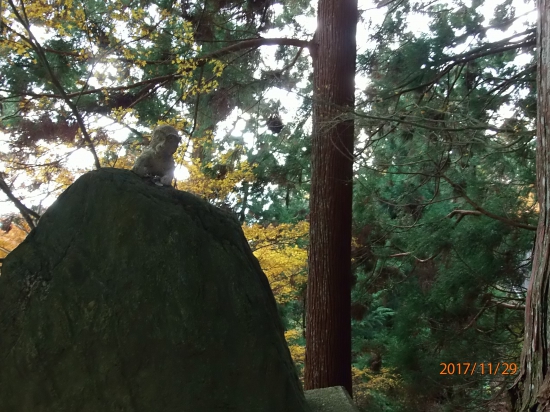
[328, 329]
[531, 391]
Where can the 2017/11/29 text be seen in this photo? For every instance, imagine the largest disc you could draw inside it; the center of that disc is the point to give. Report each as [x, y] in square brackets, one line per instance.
[484, 368]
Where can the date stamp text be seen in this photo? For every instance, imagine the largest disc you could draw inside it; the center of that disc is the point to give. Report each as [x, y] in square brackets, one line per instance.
[483, 368]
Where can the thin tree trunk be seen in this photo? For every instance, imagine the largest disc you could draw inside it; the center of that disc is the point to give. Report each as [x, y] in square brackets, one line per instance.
[328, 330]
[531, 391]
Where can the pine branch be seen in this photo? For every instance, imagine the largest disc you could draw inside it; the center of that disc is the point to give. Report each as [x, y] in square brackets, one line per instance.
[27, 213]
[35, 45]
[486, 212]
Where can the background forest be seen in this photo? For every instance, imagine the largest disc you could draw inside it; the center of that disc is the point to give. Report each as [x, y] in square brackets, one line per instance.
[444, 211]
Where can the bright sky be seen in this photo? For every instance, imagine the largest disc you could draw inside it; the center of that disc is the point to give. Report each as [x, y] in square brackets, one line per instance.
[235, 123]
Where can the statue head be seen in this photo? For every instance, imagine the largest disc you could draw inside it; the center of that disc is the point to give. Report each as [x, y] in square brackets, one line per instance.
[165, 139]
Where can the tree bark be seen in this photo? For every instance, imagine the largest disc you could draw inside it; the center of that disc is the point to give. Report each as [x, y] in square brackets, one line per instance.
[531, 391]
[328, 327]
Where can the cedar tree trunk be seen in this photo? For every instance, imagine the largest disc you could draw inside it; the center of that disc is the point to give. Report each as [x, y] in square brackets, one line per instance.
[328, 327]
[531, 391]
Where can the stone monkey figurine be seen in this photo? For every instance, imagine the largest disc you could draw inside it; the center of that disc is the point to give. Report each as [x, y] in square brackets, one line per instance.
[156, 160]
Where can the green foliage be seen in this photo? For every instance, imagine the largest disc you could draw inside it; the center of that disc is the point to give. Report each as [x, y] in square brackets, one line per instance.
[443, 198]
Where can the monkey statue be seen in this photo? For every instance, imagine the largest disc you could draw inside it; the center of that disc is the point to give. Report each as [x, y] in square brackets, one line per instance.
[156, 160]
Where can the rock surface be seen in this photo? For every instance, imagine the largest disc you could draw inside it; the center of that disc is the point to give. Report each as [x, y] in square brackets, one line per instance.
[333, 399]
[134, 297]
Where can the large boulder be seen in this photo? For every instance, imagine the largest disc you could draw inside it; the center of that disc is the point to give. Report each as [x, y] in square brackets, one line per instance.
[134, 297]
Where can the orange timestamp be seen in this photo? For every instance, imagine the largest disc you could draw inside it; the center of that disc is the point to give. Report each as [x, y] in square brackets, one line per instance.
[483, 368]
